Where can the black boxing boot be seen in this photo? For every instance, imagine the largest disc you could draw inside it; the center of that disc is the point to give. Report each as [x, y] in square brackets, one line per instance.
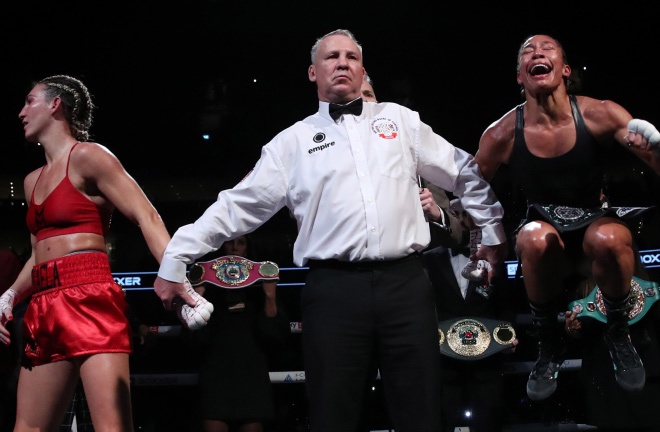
[542, 381]
[628, 368]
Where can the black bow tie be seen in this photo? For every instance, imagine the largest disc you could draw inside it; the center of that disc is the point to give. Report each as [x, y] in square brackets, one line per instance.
[354, 107]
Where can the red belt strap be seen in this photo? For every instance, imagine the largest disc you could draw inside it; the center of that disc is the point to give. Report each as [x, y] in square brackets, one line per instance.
[232, 271]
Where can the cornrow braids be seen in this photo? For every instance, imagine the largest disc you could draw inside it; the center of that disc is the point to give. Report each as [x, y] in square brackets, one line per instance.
[76, 100]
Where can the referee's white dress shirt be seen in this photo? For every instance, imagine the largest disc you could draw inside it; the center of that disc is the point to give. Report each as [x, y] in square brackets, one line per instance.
[351, 186]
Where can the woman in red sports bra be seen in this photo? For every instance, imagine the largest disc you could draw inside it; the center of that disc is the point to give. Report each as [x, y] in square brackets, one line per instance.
[75, 325]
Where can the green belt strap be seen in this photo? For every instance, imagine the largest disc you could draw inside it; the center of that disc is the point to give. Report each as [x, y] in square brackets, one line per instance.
[592, 306]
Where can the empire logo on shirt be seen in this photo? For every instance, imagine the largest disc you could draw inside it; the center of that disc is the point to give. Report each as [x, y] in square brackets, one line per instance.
[384, 128]
[318, 138]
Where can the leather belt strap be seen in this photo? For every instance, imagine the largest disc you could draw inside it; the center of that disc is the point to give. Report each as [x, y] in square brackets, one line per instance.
[474, 338]
[232, 271]
[360, 265]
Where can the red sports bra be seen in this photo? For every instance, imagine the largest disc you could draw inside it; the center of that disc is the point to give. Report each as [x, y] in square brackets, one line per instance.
[65, 211]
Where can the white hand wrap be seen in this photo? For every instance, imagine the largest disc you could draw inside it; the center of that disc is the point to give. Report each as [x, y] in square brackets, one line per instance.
[476, 271]
[646, 129]
[194, 317]
[7, 300]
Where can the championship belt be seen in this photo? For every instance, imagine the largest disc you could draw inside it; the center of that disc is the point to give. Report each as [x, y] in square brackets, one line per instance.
[644, 294]
[565, 218]
[472, 338]
[232, 271]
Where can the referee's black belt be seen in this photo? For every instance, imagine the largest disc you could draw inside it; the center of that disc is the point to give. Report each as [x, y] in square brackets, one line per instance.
[361, 265]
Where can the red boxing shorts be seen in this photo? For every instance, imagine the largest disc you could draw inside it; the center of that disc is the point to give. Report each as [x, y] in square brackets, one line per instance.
[77, 309]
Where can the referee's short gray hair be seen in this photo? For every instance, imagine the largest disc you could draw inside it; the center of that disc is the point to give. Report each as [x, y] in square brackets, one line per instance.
[343, 32]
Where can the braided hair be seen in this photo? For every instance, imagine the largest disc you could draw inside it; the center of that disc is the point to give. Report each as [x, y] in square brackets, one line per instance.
[76, 100]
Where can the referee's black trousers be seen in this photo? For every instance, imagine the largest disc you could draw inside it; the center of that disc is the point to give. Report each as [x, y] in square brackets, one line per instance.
[353, 310]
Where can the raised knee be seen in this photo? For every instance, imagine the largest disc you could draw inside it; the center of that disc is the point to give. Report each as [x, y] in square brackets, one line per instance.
[535, 239]
[607, 239]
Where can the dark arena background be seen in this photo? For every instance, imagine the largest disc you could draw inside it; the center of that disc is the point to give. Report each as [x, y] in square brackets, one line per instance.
[188, 93]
